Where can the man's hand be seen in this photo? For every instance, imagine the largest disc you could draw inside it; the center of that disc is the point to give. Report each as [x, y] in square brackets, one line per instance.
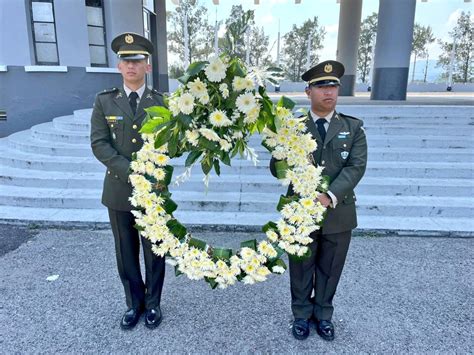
[324, 199]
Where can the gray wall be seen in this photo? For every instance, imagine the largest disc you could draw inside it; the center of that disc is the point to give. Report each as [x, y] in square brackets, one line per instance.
[32, 98]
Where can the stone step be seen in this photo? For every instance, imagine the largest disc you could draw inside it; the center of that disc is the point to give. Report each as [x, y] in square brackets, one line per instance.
[432, 226]
[15, 159]
[73, 124]
[243, 183]
[414, 206]
[23, 142]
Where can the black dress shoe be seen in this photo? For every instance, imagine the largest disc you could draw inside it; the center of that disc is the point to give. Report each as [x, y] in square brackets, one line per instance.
[130, 318]
[153, 317]
[325, 329]
[300, 328]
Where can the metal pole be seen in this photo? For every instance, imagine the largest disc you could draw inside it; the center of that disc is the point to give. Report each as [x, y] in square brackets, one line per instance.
[216, 39]
[308, 53]
[451, 66]
[186, 40]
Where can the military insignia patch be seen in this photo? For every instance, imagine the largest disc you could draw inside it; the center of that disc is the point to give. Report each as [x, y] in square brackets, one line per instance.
[129, 39]
[328, 68]
[149, 97]
[119, 95]
[344, 155]
[113, 119]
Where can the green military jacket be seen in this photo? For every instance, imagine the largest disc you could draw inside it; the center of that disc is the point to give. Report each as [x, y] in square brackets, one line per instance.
[344, 157]
[115, 137]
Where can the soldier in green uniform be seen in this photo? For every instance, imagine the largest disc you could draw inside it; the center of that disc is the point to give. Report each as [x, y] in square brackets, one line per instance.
[116, 120]
[342, 151]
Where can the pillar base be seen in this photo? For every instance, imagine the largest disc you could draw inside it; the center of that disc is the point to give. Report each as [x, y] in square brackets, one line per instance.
[389, 84]
[347, 85]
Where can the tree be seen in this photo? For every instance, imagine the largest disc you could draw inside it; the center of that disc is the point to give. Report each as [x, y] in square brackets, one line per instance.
[199, 30]
[368, 31]
[463, 34]
[296, 46]
[258, 43]
[237, 25]
[422, 36]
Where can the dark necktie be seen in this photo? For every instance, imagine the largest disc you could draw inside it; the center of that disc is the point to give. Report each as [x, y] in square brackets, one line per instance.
[321, 129]
[133, 101]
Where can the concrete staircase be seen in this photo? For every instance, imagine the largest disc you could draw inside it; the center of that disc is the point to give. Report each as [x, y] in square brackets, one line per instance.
[419, 178]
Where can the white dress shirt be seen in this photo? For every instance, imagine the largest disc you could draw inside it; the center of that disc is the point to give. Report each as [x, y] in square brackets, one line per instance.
[140, 92]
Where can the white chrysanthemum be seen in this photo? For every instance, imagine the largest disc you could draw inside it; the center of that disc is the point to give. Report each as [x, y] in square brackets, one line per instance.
[278, 269]
[245, 102]
[238, 83]
[282, 112]
[252, 115]
[193, 137]
[223, 88]
[173, 106]
[209, 134]
[204, 99]
[225, 145]
[218, 118]
[197, 88]
[215, 70]
[249, 84]
[186, 103]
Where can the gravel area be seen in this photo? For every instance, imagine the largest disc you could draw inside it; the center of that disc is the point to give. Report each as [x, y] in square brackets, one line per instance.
[396, 295]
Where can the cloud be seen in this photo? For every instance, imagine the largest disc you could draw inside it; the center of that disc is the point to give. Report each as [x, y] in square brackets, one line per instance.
[267, 19]
[332, 28]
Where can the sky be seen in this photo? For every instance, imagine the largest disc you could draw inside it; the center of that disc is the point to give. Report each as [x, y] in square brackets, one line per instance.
[441, 15]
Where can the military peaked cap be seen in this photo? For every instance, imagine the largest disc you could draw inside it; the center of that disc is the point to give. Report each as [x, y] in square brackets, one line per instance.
[132, 46]
[326, 73]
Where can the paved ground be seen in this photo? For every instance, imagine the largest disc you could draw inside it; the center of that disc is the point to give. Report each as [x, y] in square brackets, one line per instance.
[397, 295]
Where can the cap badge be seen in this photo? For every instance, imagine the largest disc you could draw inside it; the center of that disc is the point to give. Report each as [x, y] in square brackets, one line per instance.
[129, 39]
[328, 68]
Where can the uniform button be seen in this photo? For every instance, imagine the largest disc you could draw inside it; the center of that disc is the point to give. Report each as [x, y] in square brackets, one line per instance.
[111, 126]
[108, 172]
[134, 126]
[134, 140]
[116, 176]
[345, 145]
[322, 163]
[324, 147]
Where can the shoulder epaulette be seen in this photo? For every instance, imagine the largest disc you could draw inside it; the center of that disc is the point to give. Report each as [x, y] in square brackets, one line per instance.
[156, 92]
[351, 117]
[108, 91]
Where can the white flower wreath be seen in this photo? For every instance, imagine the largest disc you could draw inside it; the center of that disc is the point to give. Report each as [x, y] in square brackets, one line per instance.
[211, 117]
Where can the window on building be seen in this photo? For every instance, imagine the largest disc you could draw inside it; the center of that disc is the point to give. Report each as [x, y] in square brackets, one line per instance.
[96, 30]
[44, 32]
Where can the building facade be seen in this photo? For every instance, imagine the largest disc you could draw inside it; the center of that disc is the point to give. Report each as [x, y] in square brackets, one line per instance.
[55, 54]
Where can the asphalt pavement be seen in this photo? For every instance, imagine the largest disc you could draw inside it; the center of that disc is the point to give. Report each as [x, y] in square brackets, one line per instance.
[396, 295]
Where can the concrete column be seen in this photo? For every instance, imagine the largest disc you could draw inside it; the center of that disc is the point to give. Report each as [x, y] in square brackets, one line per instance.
[160, 59]
[393, 49]
[121, 16]
[16, 45]
[71, 32]
[348, 43]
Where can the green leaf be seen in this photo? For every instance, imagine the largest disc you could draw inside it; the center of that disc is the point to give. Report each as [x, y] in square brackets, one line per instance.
[184, 79]
[173, 145]
[217, 167]
[225, 158]
[211, 281]
[192, 157]
[138, 228]
[169, 173]
[281, 166]
[206, 166]
[325, 182]
[236, 69]
[176, 271]
[154, 124]
[162, 138]
[195, 68]
[158, 111]
[185, 120]
[209, 145]
[286, 102]
[221, 253]
[269, 226]
[284, 200]
[176, 228]
[252, 244]
[198, 244]
[277, 262]
[169, 205]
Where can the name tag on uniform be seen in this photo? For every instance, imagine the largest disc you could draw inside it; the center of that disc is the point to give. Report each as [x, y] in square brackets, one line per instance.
[113, 119]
